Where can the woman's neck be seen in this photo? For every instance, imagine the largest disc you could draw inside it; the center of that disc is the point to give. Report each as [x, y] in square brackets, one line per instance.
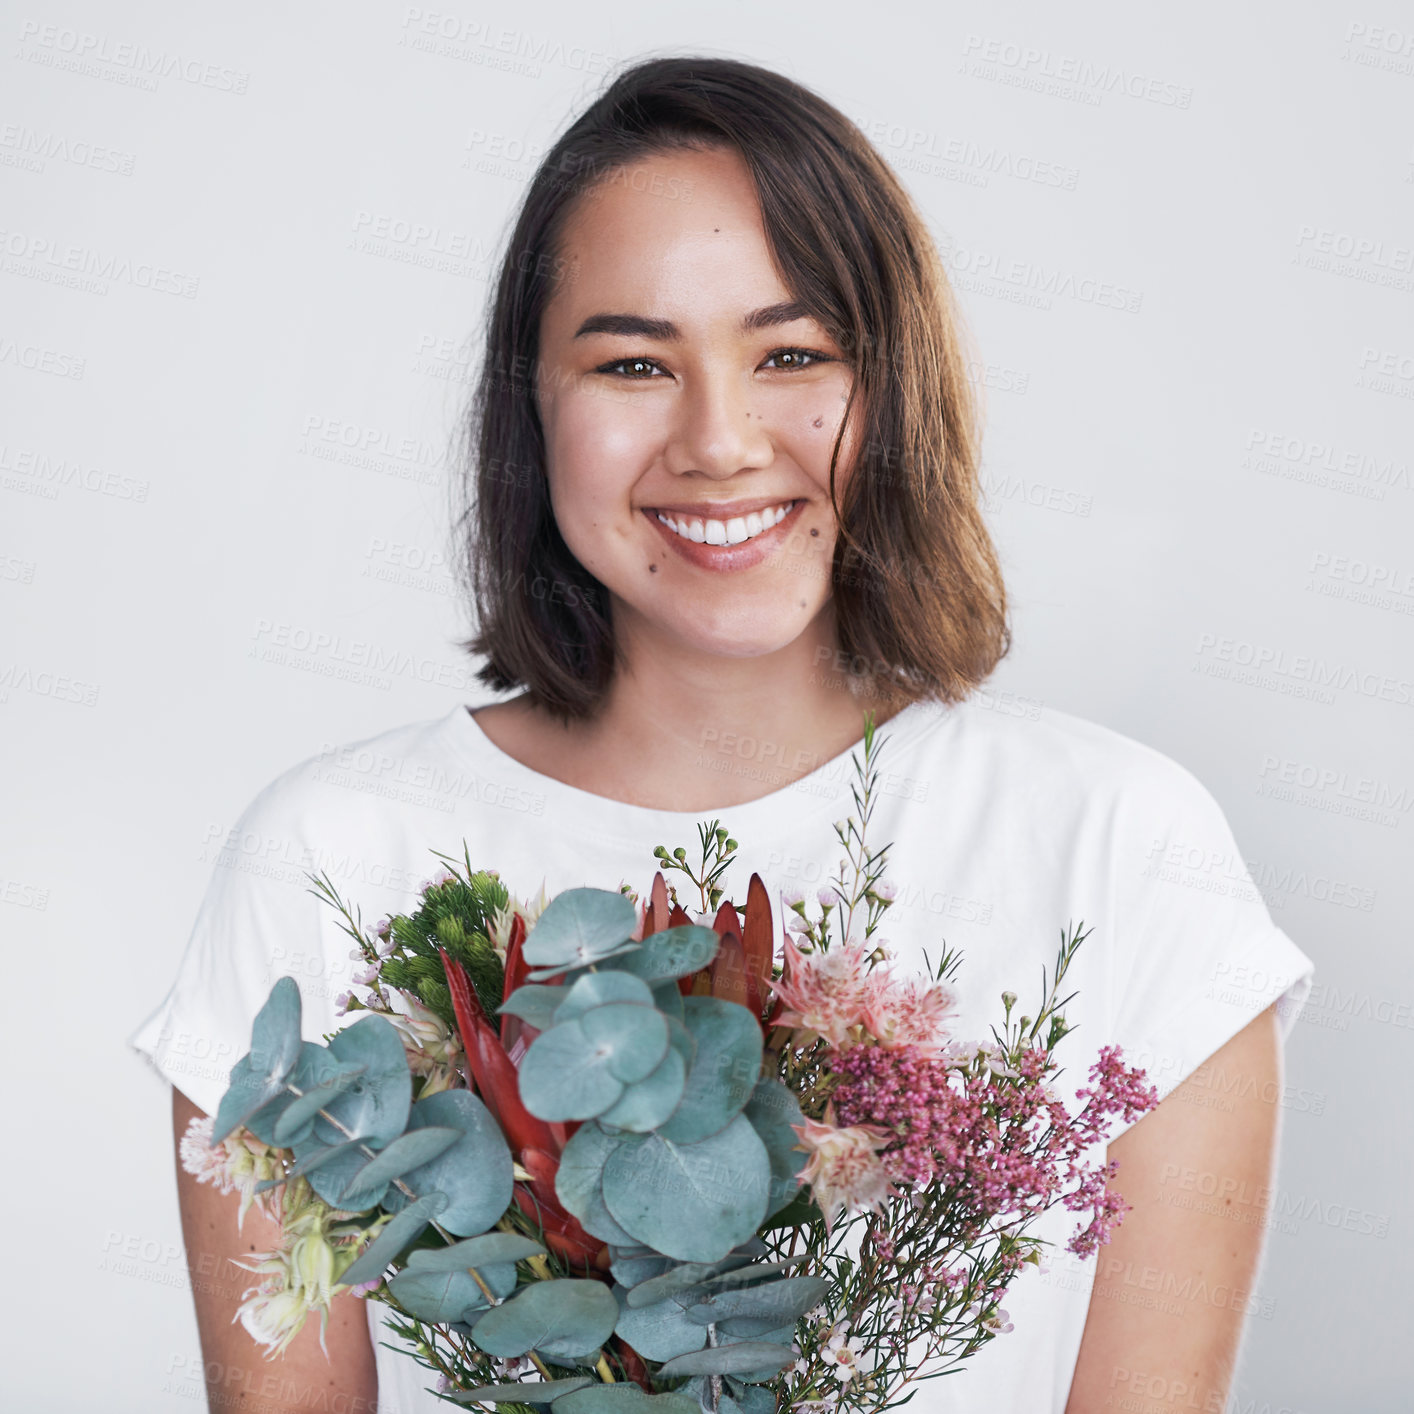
[721, 733]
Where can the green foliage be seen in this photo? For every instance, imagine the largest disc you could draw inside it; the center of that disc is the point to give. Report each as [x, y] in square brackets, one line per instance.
[454, 915]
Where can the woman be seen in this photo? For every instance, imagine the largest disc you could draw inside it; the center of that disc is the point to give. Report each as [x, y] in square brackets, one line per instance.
[724, 471]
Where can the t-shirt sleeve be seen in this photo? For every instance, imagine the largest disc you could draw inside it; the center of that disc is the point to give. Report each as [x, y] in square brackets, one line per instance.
[257, 922]
[1200, 957]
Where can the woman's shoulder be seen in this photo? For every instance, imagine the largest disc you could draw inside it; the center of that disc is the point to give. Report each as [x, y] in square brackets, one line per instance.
[348, 786]
[1002, 740]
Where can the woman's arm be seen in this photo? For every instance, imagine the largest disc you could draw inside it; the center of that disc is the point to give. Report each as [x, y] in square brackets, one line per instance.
[1172, 1287]
[238, 1376]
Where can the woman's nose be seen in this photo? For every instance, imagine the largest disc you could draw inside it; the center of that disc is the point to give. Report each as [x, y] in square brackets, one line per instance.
[715, 429]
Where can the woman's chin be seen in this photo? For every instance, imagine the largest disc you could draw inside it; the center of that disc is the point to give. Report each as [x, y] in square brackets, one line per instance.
[757, 637]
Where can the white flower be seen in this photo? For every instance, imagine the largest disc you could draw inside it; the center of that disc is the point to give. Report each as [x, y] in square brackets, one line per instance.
[301, 1276]
[844, 1170]
[236, 1164]
[206, 1164]
[498, 926]
[843, 1354]
[430, 1045]
[367, 976]
[273, 1317]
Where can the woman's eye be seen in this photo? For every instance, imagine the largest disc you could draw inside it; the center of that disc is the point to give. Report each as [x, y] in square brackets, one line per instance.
[631, 367]
[795, 358]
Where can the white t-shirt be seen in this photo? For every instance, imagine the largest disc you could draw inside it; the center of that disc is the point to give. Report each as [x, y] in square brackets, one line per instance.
[1004, 829]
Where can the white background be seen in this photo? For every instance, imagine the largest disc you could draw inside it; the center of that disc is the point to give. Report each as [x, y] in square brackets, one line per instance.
[1216, 478]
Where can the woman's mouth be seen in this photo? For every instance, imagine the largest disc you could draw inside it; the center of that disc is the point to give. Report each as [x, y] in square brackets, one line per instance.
[731, 543]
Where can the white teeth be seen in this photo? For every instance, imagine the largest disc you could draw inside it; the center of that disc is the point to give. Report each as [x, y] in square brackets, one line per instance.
[735, 531]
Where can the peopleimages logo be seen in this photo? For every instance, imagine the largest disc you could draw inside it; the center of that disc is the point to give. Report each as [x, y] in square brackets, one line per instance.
[1029, 66]
[102, 56]
[1265, 666]
[63, 262]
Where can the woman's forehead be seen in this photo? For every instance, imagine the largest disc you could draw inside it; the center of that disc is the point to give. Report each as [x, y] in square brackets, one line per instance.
[677, 236]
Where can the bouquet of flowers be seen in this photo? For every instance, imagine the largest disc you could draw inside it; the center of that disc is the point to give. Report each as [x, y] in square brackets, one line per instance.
[593, 1150]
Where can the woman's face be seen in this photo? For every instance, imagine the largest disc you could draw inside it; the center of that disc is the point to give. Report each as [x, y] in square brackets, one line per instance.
[677, 380]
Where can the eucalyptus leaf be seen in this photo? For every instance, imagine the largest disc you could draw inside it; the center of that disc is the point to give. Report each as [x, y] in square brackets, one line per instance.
[691, 1201]
[750, 1399]
[725, 1068]
[406, 1152]
[522, 1392]
[780, 1302]
[562, 1077]
[671, 953]
[490, 1249]
[658, 1331]
[321, 1077]
[375, 1107]
[534, 1004]
[559, 1319]
[631, 1036]
[260, 1075]
[579, 926]
[668, 1000]
[748, 1355]
[406, 1227]
[559, 969]
[596, 988]
[632, 1271]
[647, 1104]
[581, 1170]
[313, 1155]
[624, 1398]
[753, 1328]
[449, 1296]
[690, 1276]
[772, 1110]
[476, 1173]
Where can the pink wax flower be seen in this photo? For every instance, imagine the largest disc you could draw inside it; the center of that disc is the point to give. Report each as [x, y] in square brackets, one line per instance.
[909, 1011]
[824, 992]
[844, 1171]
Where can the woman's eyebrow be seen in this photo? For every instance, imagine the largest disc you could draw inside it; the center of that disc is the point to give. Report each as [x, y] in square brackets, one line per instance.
[664, 330]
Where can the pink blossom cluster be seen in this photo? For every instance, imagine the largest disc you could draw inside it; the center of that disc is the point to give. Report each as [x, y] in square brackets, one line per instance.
[837, 995]
[1005, 1145]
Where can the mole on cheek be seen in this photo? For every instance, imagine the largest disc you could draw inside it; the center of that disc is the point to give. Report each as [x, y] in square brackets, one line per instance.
[652, 569]
[819, 422]
[815, 532]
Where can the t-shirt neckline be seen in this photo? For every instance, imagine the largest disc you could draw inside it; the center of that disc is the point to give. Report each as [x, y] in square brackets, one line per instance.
[818, 790]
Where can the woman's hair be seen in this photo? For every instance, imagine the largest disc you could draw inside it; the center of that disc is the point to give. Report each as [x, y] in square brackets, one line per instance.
[920, 604]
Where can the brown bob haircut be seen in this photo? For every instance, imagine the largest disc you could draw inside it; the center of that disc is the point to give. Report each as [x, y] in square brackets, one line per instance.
[920, 605]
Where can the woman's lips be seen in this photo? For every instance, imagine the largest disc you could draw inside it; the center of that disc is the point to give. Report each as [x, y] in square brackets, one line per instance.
[728, 557]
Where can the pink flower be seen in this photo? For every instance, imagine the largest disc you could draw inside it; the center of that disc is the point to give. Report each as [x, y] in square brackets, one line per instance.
[844, 1170]
[824, 992]
[205, 1164]
[909, 1012]
[237, 1164]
